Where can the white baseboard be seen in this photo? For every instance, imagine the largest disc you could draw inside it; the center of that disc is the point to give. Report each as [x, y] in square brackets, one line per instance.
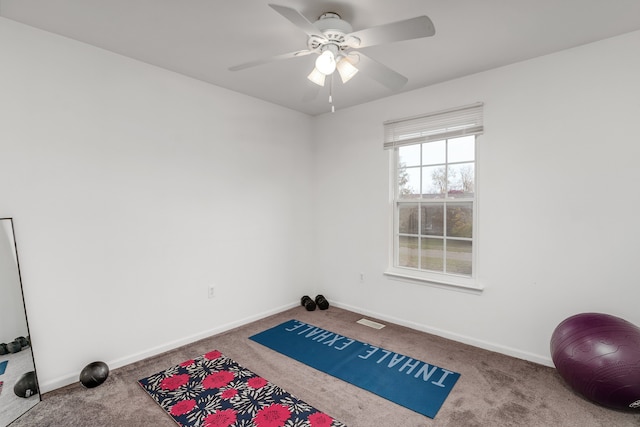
[531, 357]
[136, 357]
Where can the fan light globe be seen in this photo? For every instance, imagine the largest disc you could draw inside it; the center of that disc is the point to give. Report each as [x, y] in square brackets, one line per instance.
[326, 63]
[317, 77]
[346, 69]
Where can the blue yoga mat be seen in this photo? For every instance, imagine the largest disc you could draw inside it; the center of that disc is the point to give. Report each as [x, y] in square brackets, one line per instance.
[3, 366]
[414, 384]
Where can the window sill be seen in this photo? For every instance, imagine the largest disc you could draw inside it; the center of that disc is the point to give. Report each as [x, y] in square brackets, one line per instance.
[464, 285]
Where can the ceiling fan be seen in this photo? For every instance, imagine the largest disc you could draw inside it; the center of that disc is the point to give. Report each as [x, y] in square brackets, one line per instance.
[334, 41]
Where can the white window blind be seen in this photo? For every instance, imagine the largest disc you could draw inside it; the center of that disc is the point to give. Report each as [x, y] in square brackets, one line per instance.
[436, 126]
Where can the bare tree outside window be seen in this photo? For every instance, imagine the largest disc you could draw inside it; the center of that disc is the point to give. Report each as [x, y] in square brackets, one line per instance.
[442, 179]
[434, 200]
[403, 181]
[434, 207]
[467, 174]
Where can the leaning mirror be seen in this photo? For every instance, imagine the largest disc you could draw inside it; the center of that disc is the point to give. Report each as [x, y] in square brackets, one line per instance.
[18, 383]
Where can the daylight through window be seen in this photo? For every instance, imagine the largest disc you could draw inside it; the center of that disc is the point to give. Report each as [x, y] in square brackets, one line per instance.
[434, 201]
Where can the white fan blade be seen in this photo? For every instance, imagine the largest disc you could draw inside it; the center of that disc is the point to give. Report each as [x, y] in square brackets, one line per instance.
[297, 19]
[380, 72]
[408, 29]
[272, 59]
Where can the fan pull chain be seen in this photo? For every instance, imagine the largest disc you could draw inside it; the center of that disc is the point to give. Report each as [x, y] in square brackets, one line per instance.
[333, 107]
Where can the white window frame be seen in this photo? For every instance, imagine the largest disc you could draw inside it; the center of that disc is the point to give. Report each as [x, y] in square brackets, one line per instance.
[441, 125]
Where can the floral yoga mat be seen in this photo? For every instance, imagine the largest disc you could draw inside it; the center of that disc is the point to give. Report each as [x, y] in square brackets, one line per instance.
[215, 391]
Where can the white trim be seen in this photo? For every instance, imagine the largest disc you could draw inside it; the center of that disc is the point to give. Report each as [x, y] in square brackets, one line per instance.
[486, 345]
[447, 281]
[443, 280]
[171, 345]
[136, 357]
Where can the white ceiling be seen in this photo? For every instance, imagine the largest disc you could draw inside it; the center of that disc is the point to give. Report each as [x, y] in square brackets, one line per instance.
[203, 38]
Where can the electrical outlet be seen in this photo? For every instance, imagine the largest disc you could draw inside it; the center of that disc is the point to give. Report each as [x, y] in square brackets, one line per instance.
[211, 291]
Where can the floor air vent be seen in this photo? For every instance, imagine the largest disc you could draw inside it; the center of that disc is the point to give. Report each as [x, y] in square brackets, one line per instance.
[370, 323]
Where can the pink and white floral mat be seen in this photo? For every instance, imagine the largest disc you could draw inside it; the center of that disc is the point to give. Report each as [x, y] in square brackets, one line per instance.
[215, 391]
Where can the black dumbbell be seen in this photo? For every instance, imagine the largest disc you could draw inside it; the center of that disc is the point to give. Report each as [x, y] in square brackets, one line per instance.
[307, 303]
[14, 347]
[322, 302]
[23, 341]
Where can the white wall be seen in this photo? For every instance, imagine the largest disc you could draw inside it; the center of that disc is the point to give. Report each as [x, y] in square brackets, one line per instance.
[557, 173]
[132, 189]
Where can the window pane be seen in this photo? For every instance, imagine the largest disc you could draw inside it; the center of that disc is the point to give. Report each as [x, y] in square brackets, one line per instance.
[409, 183]
[408, 251]
[434, 181]
[459, 257]
[432, 219]
[433, 153]
[409, 155]
[408, 219]
[432, 254]
[460, 219]
[461, 180]
[461, 149]
[435, 202]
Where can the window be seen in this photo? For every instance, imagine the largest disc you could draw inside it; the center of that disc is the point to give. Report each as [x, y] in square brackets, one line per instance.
[434, 195]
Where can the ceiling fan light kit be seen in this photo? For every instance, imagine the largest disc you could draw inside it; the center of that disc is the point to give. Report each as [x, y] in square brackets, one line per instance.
[334, 41]
[317, 77]
[346, 69]
[326, 61]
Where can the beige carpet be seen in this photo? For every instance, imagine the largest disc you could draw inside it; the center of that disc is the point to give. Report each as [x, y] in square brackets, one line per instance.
[493, 390]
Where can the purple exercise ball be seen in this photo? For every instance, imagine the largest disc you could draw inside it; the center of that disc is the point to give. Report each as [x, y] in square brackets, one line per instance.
[598, 355]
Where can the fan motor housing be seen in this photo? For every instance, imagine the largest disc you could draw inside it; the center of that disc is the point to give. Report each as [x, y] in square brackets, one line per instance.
[334, 29]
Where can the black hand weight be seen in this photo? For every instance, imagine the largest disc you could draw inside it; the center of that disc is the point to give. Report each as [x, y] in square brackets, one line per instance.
[14, 347]
[322, 302]
[308, 303]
